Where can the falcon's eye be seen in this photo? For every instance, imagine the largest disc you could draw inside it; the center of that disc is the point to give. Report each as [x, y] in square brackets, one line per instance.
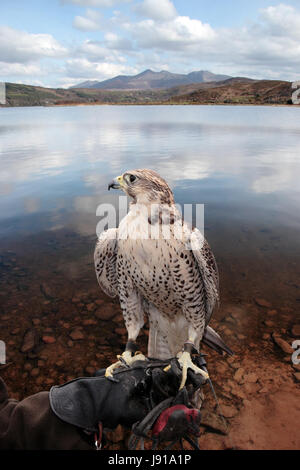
[132, 178]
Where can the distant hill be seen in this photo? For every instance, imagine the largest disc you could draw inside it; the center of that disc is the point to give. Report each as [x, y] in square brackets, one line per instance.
[149, 80]
[238, 91]
[231, 91]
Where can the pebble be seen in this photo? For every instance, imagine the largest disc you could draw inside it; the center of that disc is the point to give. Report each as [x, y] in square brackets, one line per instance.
[118, 318]
[48, 330]
[36, 321]
[236, 365]
[297, 377]
[48, 339]
[120, 331]
[49, 381]
[90, 307]
[251, 388]
[16, 331]
[263, 303]
[27, 366]
[241, 337]
[229, 411]
[272, 312]
[35, 372]
[251, 378]
[295, 331]
[89, 322]
[90, 370]
[76, 335]
[29, 341]
[47, 291]
[269, 323]
[282, 344]
[105, 314]
[239, 375]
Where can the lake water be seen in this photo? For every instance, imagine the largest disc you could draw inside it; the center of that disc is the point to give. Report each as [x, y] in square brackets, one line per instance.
[243, 163]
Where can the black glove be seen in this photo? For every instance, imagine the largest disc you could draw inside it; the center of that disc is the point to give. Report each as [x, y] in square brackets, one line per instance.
[84, 402]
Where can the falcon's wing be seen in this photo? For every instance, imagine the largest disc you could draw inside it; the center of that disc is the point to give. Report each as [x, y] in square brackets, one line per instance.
[208, 268]
[105, 258]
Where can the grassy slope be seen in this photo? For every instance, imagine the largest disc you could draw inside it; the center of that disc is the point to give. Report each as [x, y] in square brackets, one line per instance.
[232, 91]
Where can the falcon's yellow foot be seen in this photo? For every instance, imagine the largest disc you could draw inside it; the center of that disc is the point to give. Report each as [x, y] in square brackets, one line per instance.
[126, 358]
[185, 361]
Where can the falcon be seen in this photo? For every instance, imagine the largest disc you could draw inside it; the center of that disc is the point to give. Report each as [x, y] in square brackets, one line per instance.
[160, 266]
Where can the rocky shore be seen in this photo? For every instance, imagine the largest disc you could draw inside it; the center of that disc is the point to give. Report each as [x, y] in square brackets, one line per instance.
[56, 329]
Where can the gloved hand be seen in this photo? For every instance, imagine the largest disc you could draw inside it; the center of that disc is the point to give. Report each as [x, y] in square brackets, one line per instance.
[125, 400]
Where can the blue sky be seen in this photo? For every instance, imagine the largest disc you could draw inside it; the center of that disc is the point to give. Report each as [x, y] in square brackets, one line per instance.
[64, 42]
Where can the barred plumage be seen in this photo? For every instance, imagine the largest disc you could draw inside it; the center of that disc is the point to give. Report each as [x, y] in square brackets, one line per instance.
[174, 281]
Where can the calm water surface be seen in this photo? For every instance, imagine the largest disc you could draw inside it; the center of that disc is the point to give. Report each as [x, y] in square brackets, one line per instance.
[243, 163]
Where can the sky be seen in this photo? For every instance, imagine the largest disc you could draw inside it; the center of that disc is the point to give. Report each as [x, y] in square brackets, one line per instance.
[60, 43]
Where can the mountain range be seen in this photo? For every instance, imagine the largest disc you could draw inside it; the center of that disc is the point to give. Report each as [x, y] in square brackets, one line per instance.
[149, 80]
[238, 90]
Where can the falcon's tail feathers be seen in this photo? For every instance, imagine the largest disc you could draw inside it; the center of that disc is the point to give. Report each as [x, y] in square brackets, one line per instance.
[212, 339]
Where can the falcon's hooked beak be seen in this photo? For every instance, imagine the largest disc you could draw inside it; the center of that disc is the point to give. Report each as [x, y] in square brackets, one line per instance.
[116, 183]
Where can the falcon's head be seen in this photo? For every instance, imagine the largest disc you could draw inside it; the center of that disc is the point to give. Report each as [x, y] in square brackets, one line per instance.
[144, 187]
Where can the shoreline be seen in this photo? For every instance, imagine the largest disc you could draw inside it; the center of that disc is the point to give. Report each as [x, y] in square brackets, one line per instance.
[275, 105]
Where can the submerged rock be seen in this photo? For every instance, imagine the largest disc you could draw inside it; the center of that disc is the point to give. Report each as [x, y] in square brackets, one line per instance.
[76, 335]
[30, 340]
[48, 339]
[105, 313]
[263, 303]
[47, 291]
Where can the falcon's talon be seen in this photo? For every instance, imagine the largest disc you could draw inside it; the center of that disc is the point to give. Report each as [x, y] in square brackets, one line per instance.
[185, 361]
[126, 359]
[121, 359]
[109, 370]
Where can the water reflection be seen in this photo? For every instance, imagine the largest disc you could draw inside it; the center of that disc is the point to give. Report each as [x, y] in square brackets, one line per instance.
[61, 159]
[241, 162]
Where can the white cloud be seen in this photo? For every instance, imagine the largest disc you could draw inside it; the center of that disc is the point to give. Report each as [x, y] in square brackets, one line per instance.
[268, 48]
[178, 33]
[282, 20]
[159, 10]
[113, 41]
[162, 39]
[91, 22]
[21, 47]
[84, 69]
[7, 70]
[96, 3]
[96, 51]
